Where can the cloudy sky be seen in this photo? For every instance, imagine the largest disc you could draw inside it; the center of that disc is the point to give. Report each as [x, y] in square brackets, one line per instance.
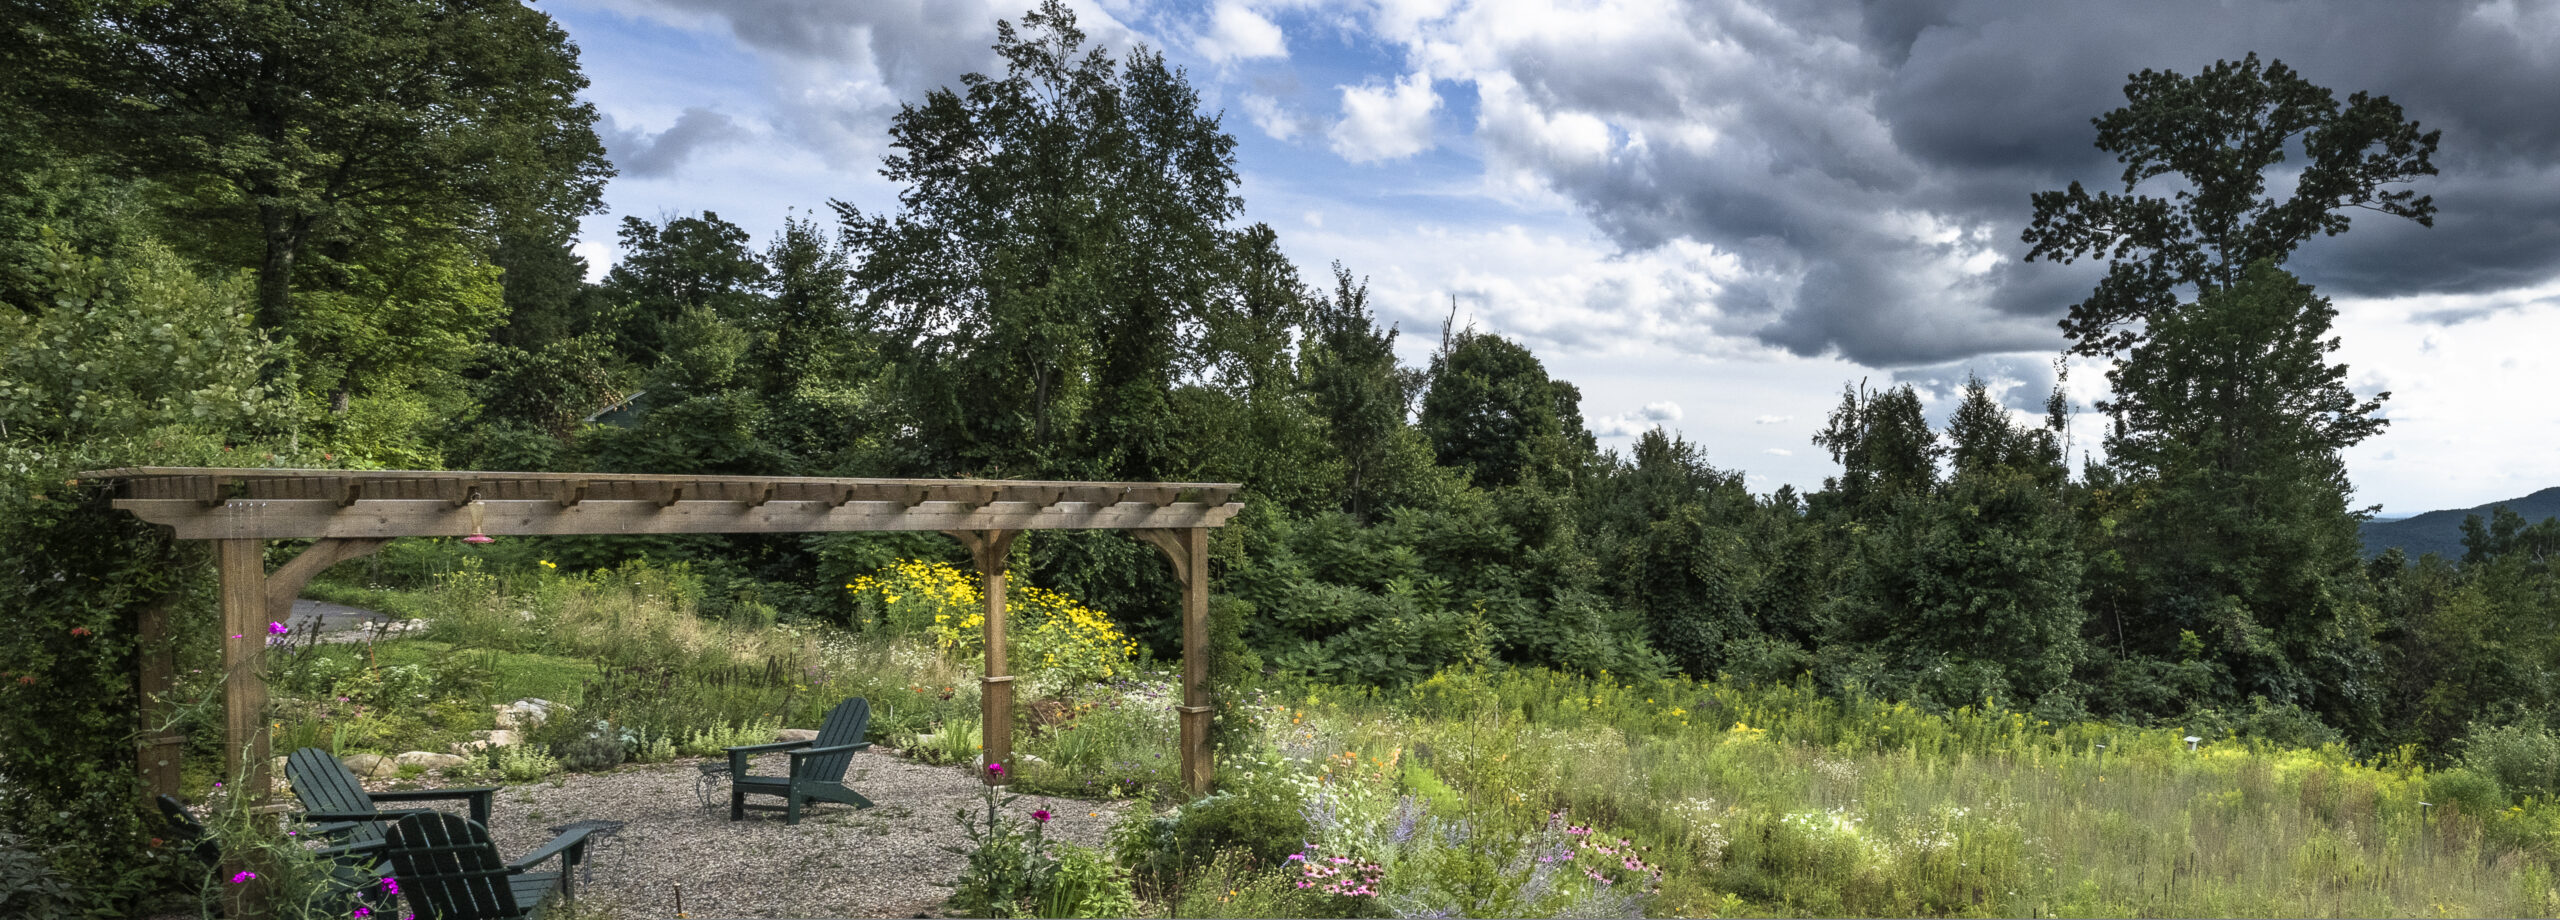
[1709, 214]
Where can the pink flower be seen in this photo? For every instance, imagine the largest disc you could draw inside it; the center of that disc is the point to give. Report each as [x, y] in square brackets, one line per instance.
[1297, 857]
[1041, 815]
[276, 629]
[996, 768]
[389, 886]
[243, 878]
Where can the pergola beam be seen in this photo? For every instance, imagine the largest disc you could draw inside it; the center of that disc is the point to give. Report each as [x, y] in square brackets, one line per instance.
[381, 518]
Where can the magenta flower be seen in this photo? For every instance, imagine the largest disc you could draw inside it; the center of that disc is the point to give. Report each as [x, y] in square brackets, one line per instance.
[996, 768]
[389, 886]
[276, 629]
[243, 878]
[1296, 857]
[362, 912]
[1041, 815]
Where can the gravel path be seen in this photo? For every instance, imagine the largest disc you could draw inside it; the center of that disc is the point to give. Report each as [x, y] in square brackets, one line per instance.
[884, 861]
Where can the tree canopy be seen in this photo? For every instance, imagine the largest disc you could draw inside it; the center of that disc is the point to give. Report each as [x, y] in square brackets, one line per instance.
[2221, 133]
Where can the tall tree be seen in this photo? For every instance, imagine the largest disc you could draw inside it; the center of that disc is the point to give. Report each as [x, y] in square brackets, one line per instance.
[1493, 411]
[1062, 238]
[322, 116]
[2222, 132]
[1351, 377]
[1884, 447]
[2229, 423]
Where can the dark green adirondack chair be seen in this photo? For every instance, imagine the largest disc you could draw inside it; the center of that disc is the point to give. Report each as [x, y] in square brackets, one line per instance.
[354, 874]
[449, 870]
[333, 798]
[817, 766]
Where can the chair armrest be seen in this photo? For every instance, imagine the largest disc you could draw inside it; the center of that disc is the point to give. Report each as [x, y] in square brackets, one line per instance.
[573, 844]
[478, 796]
[798, 757]
[764, 748]
[385, 815]
[738, 755]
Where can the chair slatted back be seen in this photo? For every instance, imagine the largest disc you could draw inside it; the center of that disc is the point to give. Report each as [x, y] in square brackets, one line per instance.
[449, 869]
[327, 786]
[844, 725]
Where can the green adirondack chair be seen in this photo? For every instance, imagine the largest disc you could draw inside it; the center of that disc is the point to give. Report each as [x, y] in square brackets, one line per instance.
[354, 873]
[817, 766]
[333, 798]
[449, 870]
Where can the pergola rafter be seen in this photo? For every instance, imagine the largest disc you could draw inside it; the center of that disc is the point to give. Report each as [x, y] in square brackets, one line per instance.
[350, 513]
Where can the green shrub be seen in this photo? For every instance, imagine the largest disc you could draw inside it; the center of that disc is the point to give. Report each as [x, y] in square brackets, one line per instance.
[1086, 885]
[517, 763]
[2472, 791]
[718, 737]
[587, 747]
[2523, 757]
[1256, 821]
[29, 886]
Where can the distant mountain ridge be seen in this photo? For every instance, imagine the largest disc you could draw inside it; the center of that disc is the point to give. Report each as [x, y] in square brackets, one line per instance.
[2440, 532]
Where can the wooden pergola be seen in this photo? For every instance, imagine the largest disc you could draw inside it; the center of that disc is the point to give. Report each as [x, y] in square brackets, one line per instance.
[350, 513]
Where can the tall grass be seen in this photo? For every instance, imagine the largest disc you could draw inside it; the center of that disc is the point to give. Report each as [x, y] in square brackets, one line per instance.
[1780, 800]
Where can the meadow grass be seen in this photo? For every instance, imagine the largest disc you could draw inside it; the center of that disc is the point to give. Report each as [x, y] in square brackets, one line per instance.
[1530, 792]
[1785, 802]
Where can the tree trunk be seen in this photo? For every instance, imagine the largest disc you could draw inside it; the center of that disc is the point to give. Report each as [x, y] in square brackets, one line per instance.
[283, 234]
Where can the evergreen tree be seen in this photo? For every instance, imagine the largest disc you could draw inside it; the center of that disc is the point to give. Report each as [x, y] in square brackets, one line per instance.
[2228, 426]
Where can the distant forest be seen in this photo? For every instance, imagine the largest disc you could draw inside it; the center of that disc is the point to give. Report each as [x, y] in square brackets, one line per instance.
[363, 260]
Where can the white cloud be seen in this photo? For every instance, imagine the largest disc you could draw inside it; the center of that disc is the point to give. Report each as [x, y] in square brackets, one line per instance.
[1662, 411]
[1561, 294]
[1239, 34]
[1275, 120]
[1778, 452]
[1773, 420]
[600, 257]
[1386, 122]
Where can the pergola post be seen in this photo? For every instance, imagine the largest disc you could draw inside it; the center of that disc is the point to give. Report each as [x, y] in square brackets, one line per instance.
[1188, 550]
[1195, 659]
[243, 570]
[251, 599]
[988, 550]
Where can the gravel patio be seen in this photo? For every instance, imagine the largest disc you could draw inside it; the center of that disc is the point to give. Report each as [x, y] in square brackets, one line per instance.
[885, 861]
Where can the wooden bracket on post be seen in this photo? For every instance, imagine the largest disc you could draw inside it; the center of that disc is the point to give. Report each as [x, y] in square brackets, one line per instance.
[673, 493]
[572, 492]
[286, 582]
[763, 494]
[988, 549]
[1169, 541]
[470, 493]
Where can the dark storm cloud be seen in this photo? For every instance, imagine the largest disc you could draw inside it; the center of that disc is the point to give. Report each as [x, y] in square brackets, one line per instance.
[1872, 163]
[637, 153]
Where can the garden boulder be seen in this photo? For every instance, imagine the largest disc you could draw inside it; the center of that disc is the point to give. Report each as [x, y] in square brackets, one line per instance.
[428, 760]
[524, 714]
[371, 766]
[796, 734]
